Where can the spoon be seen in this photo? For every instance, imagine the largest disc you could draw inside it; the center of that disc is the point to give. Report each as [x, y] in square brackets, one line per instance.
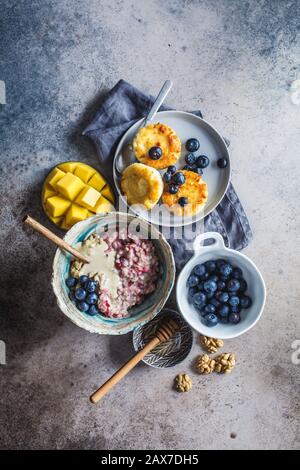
[127, 156]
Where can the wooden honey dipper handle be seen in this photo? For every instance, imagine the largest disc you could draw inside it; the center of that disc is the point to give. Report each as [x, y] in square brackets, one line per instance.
[164, 332]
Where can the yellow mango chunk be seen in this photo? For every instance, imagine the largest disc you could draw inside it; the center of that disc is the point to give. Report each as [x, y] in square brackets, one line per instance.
[75, 214]
[88, 198]
[97, 182]
[48, 192]
[68, 167]
[103, 206]
[55, 176]
[63, 224]
[69, 186]
[56, 220]
[108, 194]
[84, 172]
[57, 206]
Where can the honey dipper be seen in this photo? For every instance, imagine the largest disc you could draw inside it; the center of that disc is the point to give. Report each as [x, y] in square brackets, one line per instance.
[164, 332]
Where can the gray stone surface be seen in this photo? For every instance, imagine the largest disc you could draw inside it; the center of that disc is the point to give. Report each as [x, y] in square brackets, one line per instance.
[234, 60]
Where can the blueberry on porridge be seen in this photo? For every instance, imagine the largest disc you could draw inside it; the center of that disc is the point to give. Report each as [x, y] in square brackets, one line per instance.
[123, 270]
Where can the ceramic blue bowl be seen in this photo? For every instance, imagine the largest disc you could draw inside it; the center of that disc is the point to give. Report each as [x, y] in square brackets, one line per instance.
[140, 314]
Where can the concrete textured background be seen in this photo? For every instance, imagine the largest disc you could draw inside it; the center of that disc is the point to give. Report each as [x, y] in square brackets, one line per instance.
[234, 60]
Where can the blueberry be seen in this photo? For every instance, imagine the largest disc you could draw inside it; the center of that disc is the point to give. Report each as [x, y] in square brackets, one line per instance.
[209, 308]
[92, 298]
[234, 301]
[210, 286]
[71, 281]
[173, 188]
[224, 319]
[215, 302]
[243, 285]
[209, 295]
[198, 171]
[235, 309]
[202, 161]
[183, 201]
[220, 261]
[246, 301]
[222, 162]
[190, 158]
[167, 177]
[172, 169]
[90, 286]
[155, 153]
[234, 318]
[199, 269]
[205, 276]
[221, 285]
[199, 300]
[80, 293]
[223, 310]
[82, 306]
[179, 178]
[191, 292]
[93, 310]
[233, 285]
[193, 280]
[72, 296]
[237, 273]
[211, 319]
[225, 269]
[222, 297]
[192, 145]
[200, 286]
[214, 278]
[210, 265]
[83, 279]
[188, 168]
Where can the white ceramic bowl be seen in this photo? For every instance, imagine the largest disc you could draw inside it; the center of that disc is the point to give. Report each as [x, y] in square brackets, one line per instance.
[140, 314]
[256, 288]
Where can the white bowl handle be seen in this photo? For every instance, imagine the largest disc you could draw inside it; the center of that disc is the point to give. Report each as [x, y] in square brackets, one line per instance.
[219, 242]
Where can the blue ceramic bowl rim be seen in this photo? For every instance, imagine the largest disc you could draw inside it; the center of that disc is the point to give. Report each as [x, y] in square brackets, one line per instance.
[144, 312]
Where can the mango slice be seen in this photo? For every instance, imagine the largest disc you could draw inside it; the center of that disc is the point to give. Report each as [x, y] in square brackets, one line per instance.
[97, 182]
[88, 198]
[56, 175]
[84, 172]
[57, 205]
[69, 186]
[108, 193]
[75, 214]
[72, 192]
[103, 206]
[68, 167]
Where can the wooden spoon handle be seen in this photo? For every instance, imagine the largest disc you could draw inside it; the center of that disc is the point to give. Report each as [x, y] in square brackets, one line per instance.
[54, 238]
[108, 385]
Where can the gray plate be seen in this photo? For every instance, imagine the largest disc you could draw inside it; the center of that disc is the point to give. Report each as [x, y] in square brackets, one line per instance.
[212, 144]
[171, 352]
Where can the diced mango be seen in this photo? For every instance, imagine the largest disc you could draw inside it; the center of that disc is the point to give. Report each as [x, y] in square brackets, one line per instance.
[56, 220]
[63, 224]
[84, 172]
[69, 186]
[57, 205]
[88, 198]
[75, 214]
[107, 192]
[55, 176]
[48, 192]
[68, 167]
[103, 206]
[97, 182]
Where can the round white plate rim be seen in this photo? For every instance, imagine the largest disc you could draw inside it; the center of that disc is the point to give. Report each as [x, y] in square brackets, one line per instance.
[201, 214]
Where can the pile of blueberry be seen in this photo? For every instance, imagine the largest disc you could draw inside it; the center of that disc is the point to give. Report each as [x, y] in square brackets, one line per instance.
[198, 163]
[174, 179]
[218, 291]
[83, 292]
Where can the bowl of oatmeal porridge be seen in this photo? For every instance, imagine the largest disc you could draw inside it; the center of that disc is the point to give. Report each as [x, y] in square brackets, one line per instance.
[131, 267]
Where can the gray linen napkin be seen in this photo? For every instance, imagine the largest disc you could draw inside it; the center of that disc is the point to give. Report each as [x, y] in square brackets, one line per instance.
[121, 108]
